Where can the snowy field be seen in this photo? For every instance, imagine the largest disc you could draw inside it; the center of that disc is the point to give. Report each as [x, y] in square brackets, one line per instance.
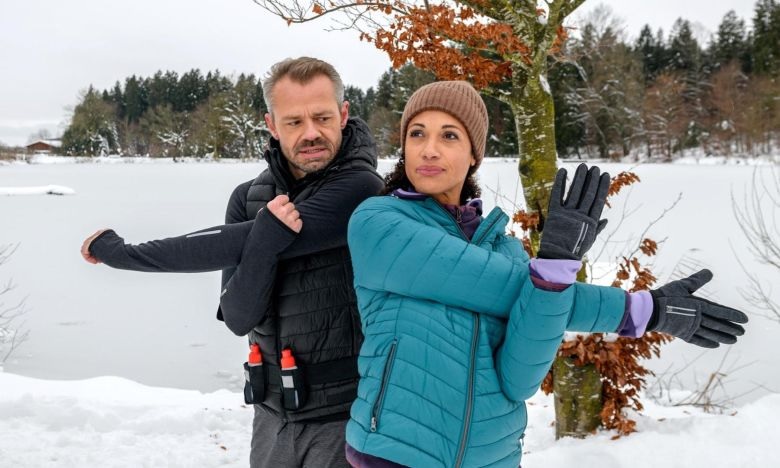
[126, 331]
[113, 422]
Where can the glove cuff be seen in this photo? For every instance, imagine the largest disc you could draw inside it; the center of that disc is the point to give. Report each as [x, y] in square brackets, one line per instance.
[653, 322]
[555, 254]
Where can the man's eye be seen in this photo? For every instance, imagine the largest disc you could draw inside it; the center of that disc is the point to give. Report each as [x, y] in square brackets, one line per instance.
[324, 119]
[293, 123]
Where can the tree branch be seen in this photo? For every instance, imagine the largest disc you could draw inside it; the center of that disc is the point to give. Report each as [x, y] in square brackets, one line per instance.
[315, 10]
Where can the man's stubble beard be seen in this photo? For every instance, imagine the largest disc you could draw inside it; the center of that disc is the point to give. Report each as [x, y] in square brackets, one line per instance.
[314, 166]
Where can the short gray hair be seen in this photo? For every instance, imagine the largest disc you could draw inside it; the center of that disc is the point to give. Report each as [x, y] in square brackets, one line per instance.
[301, 70]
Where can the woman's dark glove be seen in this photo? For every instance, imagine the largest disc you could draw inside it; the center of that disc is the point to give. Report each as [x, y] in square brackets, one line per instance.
[572, 224]
[693, 319]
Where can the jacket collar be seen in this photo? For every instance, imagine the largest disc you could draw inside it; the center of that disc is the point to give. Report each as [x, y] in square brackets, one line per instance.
[492, 225]
[358, 147]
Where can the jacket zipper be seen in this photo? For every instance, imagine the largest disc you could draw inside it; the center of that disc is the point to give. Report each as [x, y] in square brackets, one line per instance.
[470, 396]
[460, 229]
[380, 399]
[472, 364]
[473, 356]
[475, 241]
[488, 229]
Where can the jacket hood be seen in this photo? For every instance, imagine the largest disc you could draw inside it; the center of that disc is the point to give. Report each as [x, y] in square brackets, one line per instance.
[358, 148]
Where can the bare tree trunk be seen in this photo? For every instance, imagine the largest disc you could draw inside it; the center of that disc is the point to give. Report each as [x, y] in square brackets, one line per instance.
[577, 391]
[535, 124]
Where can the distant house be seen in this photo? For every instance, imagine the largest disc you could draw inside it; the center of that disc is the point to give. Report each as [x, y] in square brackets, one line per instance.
[43, 147]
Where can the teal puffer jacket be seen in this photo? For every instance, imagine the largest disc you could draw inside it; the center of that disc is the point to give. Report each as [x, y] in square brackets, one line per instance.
[456, 335]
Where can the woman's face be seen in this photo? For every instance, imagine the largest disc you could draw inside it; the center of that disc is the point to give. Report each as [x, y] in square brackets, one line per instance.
[438, 155]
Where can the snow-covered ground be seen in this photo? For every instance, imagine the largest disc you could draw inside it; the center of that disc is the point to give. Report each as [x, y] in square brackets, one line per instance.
[41, 190]
[114, 422]
[91, 322]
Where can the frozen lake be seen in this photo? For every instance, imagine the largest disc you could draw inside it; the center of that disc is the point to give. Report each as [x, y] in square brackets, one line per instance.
[160, 329]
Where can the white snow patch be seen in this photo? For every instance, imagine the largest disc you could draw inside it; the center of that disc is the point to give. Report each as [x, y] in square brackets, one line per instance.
[670, 436]
[40, 190]
[545, 84]
[110, 421]
[114, 422]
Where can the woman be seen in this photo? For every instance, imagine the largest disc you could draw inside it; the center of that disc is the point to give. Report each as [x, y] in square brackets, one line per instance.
[460, 327]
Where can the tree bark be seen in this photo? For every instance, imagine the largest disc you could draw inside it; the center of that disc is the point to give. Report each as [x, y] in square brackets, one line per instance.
[534, 114]
[577, 392]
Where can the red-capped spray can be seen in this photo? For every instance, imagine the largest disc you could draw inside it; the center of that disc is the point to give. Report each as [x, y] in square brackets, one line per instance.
[254, 375]
[293, 390]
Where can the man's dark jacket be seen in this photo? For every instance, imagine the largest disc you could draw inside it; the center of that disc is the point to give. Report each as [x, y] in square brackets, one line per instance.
[285, 290]
[308, 304]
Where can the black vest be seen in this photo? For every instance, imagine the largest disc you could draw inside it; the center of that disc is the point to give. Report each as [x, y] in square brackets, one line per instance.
[314, 311]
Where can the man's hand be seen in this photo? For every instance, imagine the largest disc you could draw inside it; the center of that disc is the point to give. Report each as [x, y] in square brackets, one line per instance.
[698, 321]
[285, 211]
[572, 224]
[85, 247]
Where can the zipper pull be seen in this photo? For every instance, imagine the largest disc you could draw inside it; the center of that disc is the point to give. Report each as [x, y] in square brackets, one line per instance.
[373, 423]
[458, 215]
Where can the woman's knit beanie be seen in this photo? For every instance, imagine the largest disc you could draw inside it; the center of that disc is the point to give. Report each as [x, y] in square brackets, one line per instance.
[460, 100]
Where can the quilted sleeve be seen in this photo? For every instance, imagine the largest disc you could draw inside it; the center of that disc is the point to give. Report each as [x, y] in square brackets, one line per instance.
[394, 252]
[596, 309]
[536, 326]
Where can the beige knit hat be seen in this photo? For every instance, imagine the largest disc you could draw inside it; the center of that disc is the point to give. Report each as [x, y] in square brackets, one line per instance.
[460, 100]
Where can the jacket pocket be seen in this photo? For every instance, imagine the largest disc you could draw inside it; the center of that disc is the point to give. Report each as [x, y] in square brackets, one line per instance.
[380, 399]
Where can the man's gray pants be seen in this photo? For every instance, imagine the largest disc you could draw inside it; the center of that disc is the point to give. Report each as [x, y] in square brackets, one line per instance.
[284, 444]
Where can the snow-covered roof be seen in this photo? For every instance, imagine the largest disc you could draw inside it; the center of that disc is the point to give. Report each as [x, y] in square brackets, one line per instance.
[55, 143]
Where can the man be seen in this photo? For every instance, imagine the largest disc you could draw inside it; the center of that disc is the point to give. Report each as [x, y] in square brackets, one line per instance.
[287, 273]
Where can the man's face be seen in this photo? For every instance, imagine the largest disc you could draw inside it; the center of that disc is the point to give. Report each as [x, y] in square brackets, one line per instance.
[307, 121]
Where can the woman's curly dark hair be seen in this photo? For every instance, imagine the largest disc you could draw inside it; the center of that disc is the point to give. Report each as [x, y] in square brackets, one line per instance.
[397, 180]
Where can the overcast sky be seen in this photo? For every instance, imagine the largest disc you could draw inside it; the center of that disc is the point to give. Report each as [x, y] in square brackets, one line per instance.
[51, 49]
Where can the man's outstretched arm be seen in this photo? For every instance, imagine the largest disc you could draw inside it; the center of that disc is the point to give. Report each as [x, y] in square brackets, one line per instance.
[209, 249]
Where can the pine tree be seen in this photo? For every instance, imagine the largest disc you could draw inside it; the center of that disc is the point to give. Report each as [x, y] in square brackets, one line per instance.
[686, 60]
[92, 130]
[136, 99]
[356, 98]
[216, 83]
[369, 102]
[118, 101]
[766, 37]
[730, 43]
[161, 88]
[190, 92]
[684, 49]
[384, 89]
[258, 102]
[651, 52]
